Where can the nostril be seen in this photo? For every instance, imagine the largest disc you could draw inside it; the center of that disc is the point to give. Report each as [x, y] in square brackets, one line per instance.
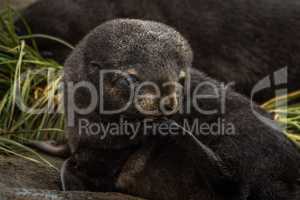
[170, 104]
[169, 108]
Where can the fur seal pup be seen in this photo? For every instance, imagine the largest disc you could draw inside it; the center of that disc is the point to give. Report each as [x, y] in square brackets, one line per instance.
[251, 161]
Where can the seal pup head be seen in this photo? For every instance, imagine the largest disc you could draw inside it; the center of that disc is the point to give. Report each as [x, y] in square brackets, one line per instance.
[135, 65]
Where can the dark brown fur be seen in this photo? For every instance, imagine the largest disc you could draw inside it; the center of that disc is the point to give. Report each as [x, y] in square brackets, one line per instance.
[256, 163]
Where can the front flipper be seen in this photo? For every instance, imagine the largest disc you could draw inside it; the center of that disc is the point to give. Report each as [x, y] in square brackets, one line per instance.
[210, 165]
[69, 178]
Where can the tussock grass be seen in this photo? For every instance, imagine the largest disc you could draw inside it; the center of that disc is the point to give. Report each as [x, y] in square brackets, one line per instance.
[18, 80]
[287, 116]
[26, 77]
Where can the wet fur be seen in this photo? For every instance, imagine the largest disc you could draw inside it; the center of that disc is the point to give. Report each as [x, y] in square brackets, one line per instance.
[256, 163]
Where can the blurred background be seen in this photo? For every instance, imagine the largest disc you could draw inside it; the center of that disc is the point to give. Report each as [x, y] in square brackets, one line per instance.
[18, 4]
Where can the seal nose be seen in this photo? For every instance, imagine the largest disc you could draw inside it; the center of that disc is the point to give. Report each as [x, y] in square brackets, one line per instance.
[169, 104]
[148, 104]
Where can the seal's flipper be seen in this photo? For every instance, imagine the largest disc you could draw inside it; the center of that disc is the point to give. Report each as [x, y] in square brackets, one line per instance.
[203, 157]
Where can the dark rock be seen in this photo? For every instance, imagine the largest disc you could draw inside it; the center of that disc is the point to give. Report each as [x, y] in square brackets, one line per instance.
[19, 173]
[27, 194]
[25, 180]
